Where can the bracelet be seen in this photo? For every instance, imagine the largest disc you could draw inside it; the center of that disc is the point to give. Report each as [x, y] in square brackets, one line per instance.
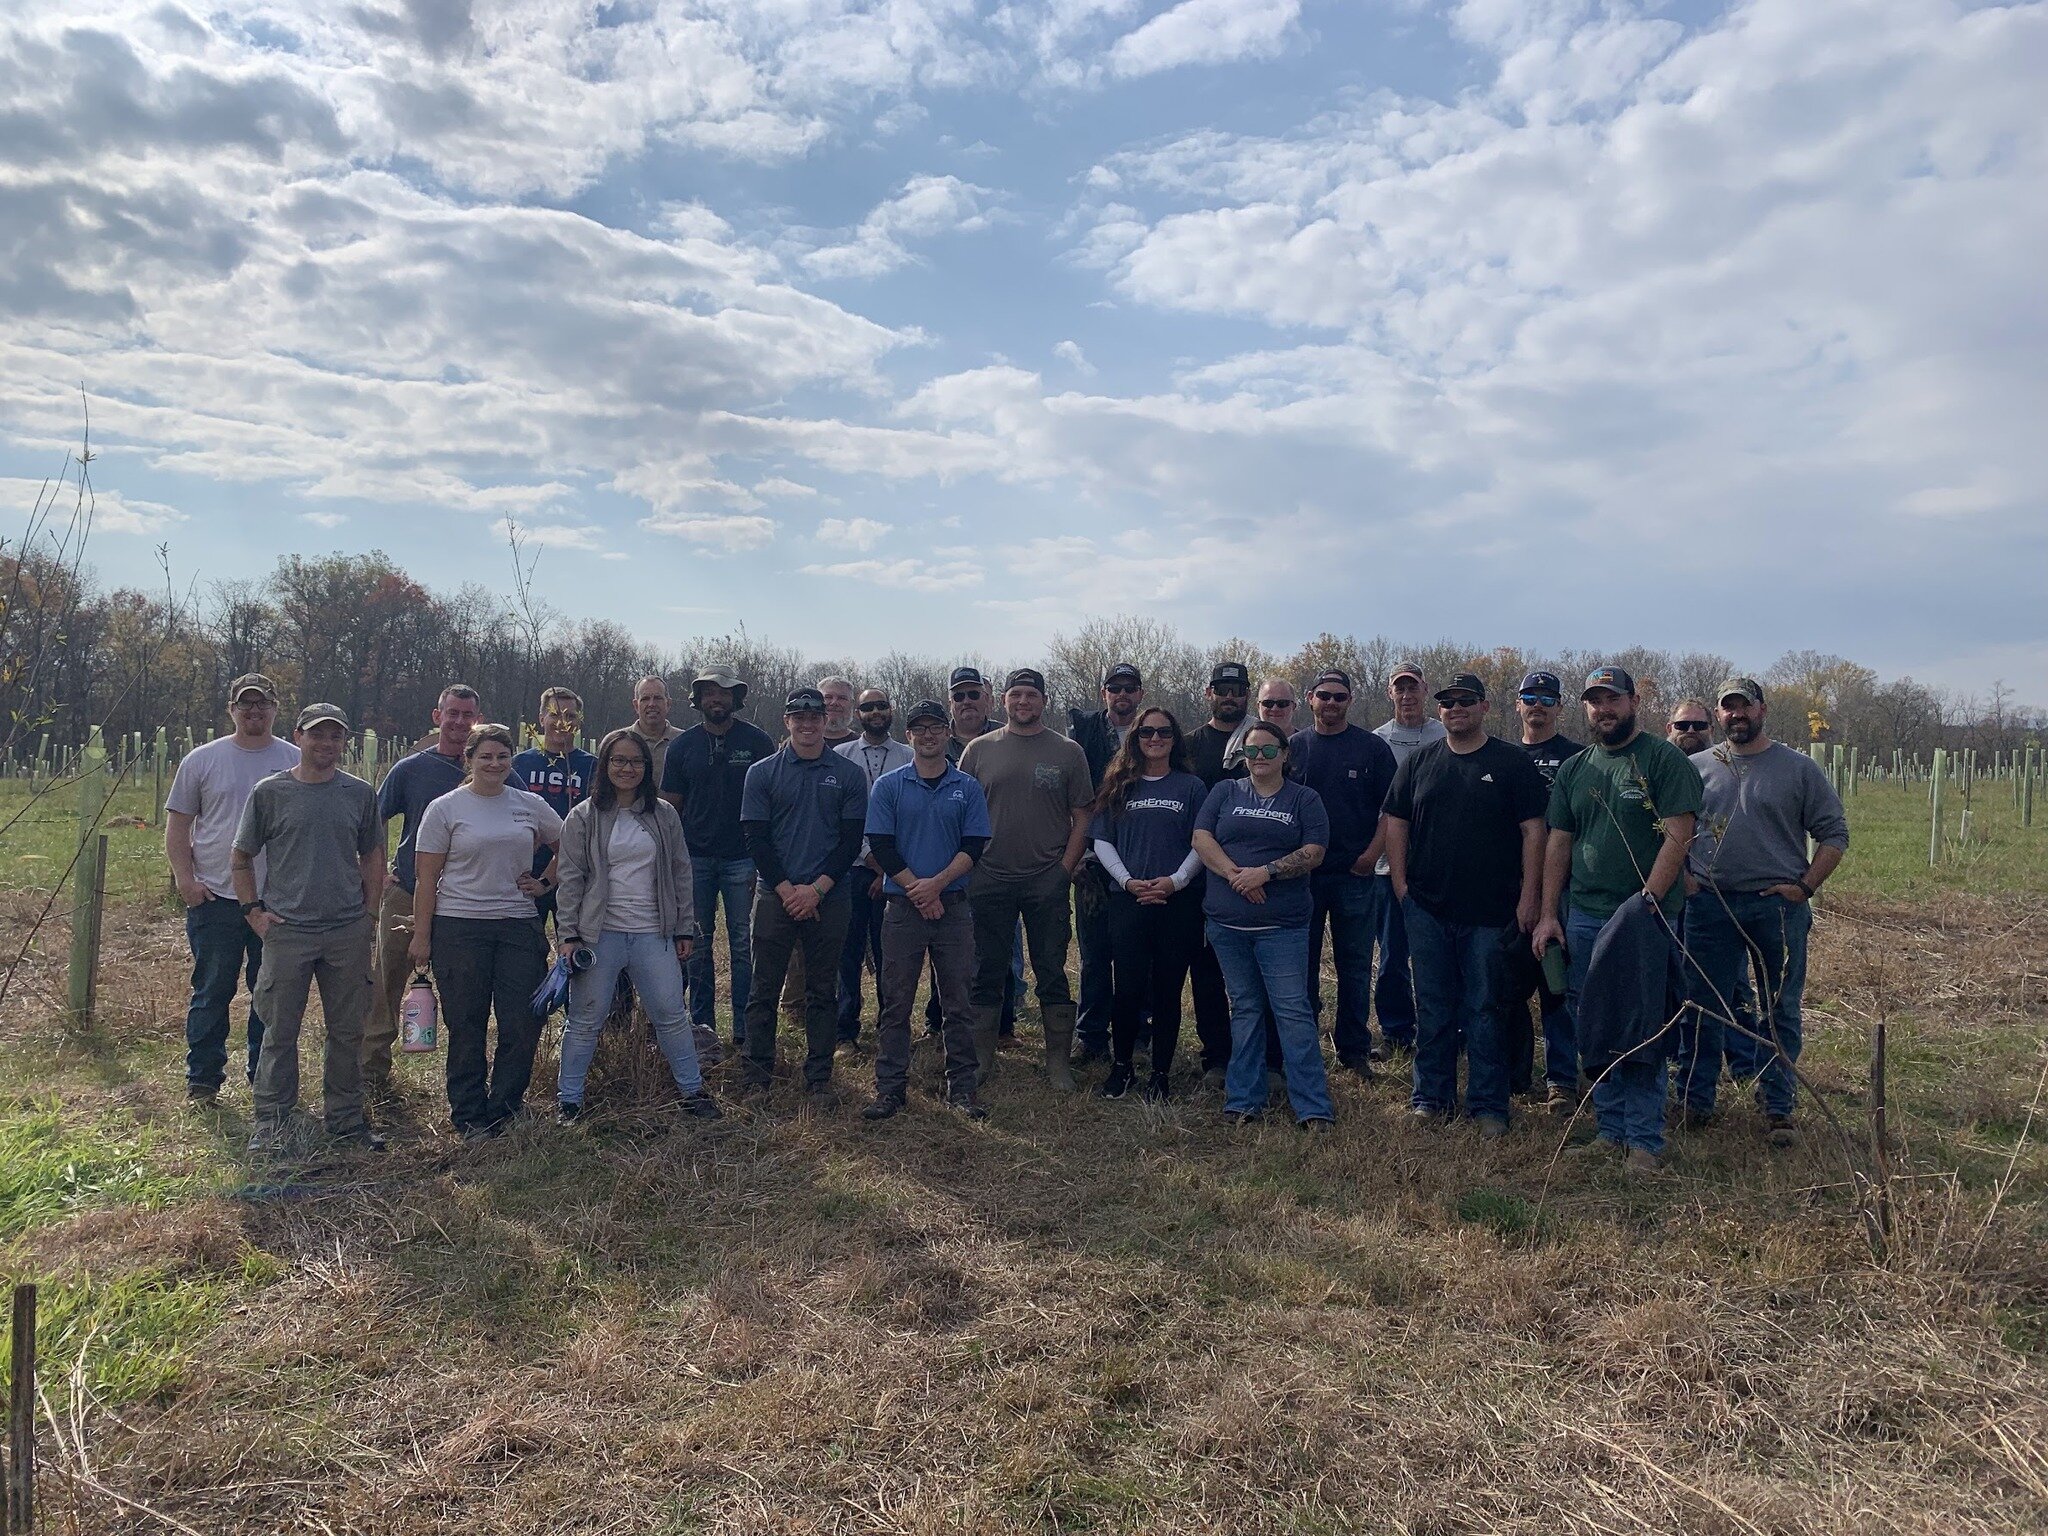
[1800, 881]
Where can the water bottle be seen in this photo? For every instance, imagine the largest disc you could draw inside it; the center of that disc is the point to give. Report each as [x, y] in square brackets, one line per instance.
[418, 1016]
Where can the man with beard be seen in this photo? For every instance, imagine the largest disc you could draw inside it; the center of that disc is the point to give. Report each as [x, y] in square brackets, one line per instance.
[1536, 705]
[1098, 733]
[704, 779]
[1394, 991]
[1351, 769]
[1761, 802]
[1277, 706]
[1210, 746]
[876, 752]
[1621, 819]
[1039, 796]
[839, 721]
[1691, 726]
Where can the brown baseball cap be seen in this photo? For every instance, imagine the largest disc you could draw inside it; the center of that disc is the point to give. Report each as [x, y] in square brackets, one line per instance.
[249, 680]
[321, 714]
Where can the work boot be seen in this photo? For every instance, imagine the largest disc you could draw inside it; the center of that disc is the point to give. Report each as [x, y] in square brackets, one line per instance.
[1059, 1045]
[987, 1022]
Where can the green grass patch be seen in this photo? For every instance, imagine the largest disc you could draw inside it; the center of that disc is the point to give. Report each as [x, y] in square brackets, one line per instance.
[50, 1169]
[1501, 1211]
[135, 1331]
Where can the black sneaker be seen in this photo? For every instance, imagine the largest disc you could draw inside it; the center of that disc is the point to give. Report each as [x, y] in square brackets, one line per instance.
[1359, 1066]
[967, 1104]
[701, 1106]
[362, 1139]
[199, 1097]
[1780, 1132]
[567, 1113]
[1157, 1089]
[882, 1106]
[1378, 1052]
[1118, 1083]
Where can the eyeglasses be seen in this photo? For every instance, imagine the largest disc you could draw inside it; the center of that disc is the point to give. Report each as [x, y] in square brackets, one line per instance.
[1122, 688]
[967, 696]
[1691, 727]
[1155, 732]
[1548, 700]
[1324, 696]
[1459, 701]
[869, 709]
[621, 760]
[1262, 754]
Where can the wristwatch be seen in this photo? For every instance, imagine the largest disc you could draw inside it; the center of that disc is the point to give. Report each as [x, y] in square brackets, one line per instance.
[1800, 881]
[254, 906]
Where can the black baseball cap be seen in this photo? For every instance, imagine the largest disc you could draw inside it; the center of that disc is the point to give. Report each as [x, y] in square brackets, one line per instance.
[1333, 675]
[927, 709]
[1464, 682]
[1616, 679]
[1122, 672]
[966, 675]
[1231, 672]
[1025, 677]
[804, 701]
[1548, 684]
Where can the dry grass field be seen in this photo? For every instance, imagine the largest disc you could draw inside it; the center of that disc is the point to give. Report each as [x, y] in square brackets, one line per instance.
[1078, 1316]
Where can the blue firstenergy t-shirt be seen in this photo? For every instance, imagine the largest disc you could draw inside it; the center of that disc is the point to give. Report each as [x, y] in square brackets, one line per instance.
[804, 801]
[1152, 832]
[1253, 830]
[929, 818]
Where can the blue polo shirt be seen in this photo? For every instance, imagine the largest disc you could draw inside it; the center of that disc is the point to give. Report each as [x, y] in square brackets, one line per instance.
[929, 818]
[804, 801]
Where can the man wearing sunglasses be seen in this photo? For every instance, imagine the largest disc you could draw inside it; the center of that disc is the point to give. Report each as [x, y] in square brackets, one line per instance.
[1691, 728]
[1350, 769]
[1394, 992]
[1216, 753]
[1276, 707]
[876, 752]
[1098, 733]
[1536, 705]
[972, 700]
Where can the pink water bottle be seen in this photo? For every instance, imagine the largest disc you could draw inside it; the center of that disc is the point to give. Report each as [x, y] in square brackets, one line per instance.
[418, 1016]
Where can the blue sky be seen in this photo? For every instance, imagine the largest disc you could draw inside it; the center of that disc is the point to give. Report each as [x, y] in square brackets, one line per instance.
[876, 325]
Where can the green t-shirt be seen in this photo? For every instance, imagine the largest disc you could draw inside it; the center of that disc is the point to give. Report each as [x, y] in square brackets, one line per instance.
[1610, 802]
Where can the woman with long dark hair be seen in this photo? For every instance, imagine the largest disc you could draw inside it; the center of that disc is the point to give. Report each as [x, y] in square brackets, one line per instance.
[478, 928]
[626, 896]
[1260, 837]
[1143, 832]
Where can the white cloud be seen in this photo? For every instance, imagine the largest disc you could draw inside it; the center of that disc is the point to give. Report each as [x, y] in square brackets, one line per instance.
[909, 574]
[1070, 353]
[324, 519]
[581, 536]
[925, 207]
[775, 485]
[861, 533]
[728, 533]
[108, 511]
[1205, 32]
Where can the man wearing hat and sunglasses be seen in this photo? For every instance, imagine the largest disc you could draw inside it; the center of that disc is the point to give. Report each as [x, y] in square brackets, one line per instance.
[201, 813]
[704, 777]
[1411, 728]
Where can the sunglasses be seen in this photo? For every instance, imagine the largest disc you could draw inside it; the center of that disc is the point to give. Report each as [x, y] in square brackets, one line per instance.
[1228, 690]
[1692, 727]
[1324, 696]
[1122, 688]
[1155, 732]
[966, 695]
[1276, 703]
[1548, 700]
[869, 709]
[1459, 701]
[1261, 754]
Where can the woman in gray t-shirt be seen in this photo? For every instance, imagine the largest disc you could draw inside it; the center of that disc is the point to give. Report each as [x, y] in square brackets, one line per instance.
[474, 922]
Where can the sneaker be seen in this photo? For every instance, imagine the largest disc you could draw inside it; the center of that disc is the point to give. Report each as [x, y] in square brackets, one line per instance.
[362, 1138]
[267, 1136]
[200, 1099]
[1317, 1125]
[1237, 1117]
[1427, 1113]
[1780, 1132]
[1378, 1052]
[1360, 1066]
[1157, 1089]
[1642, 1163]
[1118, 1083]
[1492, 1127]
[479, 1131]
[567, 1113]
[701, 1106]
[1560, 1101]
[964, 1102]
[882, 1106]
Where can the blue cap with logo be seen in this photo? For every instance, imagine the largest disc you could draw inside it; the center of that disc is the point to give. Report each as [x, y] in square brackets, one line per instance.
[1542, 685]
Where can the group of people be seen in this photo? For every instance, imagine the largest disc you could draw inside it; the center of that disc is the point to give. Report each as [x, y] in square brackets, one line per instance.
[1650, 895]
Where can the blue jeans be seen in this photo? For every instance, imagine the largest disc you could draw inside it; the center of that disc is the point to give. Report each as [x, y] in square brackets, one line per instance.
[1723, 932]
[863, 946]
[1393, 994]
[1352, 905]
[1266, 975]
[650, 959]
[731, 880]
[225, 950]
[1629, 1100]
[1456, 991]
[1091, 935]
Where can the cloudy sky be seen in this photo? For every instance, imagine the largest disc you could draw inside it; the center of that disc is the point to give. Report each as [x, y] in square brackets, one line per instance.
[880, 323]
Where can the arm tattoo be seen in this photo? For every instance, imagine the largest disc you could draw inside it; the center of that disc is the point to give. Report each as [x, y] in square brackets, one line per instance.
[1299, 862]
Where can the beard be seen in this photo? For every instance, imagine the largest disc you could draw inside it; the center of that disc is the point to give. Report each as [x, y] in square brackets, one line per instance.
[1228, 711]
[1614, 735]
[1740, 731]
[717, 714]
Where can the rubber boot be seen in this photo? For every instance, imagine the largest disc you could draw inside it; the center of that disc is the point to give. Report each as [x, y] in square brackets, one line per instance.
[1059, 1044]
[987, 1023]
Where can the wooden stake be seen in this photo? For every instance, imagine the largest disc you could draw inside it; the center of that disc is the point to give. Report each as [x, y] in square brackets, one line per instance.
[21, 1416]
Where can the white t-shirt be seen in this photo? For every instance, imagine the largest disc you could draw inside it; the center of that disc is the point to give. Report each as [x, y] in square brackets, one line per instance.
[630, 906]
[212, 785]
[489, 842]
[1404, 739]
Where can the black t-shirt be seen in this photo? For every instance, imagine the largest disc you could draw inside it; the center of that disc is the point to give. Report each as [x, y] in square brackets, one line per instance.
[1464, 813]
[1205, 755]
[1547, 755]
[709, 774]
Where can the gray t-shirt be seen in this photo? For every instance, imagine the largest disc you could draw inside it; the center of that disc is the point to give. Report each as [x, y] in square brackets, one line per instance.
[488, 841]
[212, 786]
[1404, 739]
[1756, 814]
[313, 836]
